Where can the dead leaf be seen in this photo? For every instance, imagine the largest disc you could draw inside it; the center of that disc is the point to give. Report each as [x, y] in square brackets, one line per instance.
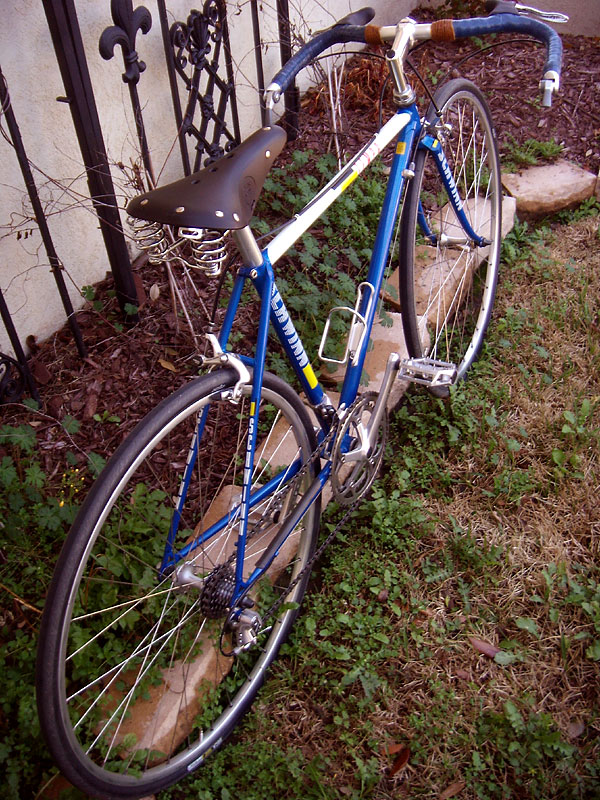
[401, 761]
[40, 372]
[575, 728]
[91, 406]
[452, 790]
[55, 406]
[154, 292]
[463, 674]
[391, 749]
[486, 648]
[167, 364]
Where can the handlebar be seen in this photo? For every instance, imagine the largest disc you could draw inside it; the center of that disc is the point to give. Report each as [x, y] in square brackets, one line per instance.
[513, 23]
[443, 30]
[339, 34]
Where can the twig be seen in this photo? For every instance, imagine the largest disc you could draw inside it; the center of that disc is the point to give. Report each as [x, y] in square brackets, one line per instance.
[20, 599]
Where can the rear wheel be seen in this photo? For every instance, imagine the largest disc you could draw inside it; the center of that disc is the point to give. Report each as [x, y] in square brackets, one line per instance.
[447, 282]
[136, 681]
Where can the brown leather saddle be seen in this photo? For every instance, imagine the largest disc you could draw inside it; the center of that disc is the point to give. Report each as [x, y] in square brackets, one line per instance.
[221, 196]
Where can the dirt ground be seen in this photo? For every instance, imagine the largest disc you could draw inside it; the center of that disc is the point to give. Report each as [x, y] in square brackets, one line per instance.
[128, 370]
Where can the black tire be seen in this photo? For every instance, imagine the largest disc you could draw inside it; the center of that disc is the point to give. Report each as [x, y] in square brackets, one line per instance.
[123, 652]
[447, 289]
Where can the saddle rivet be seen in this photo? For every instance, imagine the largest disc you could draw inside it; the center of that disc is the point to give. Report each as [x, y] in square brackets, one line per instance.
[219, 214]
[180, 209]
[236, 217]
[268, 154]
[144, 202]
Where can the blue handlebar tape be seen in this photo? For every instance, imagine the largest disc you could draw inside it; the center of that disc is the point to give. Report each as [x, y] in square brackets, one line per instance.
[512, 23]
[340, 34]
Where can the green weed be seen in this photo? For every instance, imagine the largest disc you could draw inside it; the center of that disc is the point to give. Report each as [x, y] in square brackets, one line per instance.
[520, 754]
[529, 153]
[323, 269]
[34, 515]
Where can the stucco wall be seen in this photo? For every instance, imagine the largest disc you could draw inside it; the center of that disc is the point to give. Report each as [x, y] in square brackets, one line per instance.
[29, 64]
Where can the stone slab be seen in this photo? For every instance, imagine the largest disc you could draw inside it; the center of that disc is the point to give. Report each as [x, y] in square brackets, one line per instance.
[544, 190]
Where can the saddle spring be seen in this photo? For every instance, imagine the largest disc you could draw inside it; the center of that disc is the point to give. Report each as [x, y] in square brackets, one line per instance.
[150, 237]
[209, 249]
[197, 248]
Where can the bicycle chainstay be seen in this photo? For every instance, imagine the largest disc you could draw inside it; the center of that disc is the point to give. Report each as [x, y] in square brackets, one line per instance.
[319, 452]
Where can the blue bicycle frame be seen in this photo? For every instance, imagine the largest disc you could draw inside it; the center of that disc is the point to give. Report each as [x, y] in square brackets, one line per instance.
[406, 128]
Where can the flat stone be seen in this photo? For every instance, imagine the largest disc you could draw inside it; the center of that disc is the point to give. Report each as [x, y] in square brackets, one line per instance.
[544, 190]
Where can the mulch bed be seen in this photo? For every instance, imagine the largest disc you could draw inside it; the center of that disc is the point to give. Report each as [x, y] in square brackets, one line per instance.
[128, 371]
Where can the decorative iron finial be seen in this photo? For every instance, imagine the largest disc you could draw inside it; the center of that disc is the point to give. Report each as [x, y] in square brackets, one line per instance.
[127, 24]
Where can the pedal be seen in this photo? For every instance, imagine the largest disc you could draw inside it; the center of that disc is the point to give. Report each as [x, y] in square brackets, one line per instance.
[428, 371]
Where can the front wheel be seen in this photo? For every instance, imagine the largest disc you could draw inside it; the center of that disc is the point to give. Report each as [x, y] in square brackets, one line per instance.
[136, 680]
[447, 281]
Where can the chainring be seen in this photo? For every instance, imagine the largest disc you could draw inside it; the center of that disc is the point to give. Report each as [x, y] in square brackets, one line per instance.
[351, 480]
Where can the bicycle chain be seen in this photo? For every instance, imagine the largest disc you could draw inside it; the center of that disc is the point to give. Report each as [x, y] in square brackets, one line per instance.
[272, 610]
[318, 452]
[317, 554]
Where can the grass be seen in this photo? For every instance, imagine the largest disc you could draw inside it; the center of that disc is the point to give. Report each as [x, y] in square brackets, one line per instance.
[450, 641]
[450, 645]
[519, 156]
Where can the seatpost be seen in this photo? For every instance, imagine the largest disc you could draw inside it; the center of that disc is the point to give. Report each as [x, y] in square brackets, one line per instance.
[249, 249]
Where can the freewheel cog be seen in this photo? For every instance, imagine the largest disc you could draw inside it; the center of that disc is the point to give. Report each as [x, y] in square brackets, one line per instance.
[352, 479]
[217, 592]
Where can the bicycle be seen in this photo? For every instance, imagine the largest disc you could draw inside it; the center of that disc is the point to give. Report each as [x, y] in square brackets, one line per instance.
[188, 561]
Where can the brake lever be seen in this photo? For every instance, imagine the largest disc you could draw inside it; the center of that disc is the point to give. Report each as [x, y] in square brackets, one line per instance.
[510, 7]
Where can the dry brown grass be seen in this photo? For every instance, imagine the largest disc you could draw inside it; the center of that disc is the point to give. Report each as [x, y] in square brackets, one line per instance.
[441, 685]
[482, 546]
[553, 521]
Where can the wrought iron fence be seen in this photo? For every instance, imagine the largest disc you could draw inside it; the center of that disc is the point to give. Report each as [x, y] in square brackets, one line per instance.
[199, 64]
